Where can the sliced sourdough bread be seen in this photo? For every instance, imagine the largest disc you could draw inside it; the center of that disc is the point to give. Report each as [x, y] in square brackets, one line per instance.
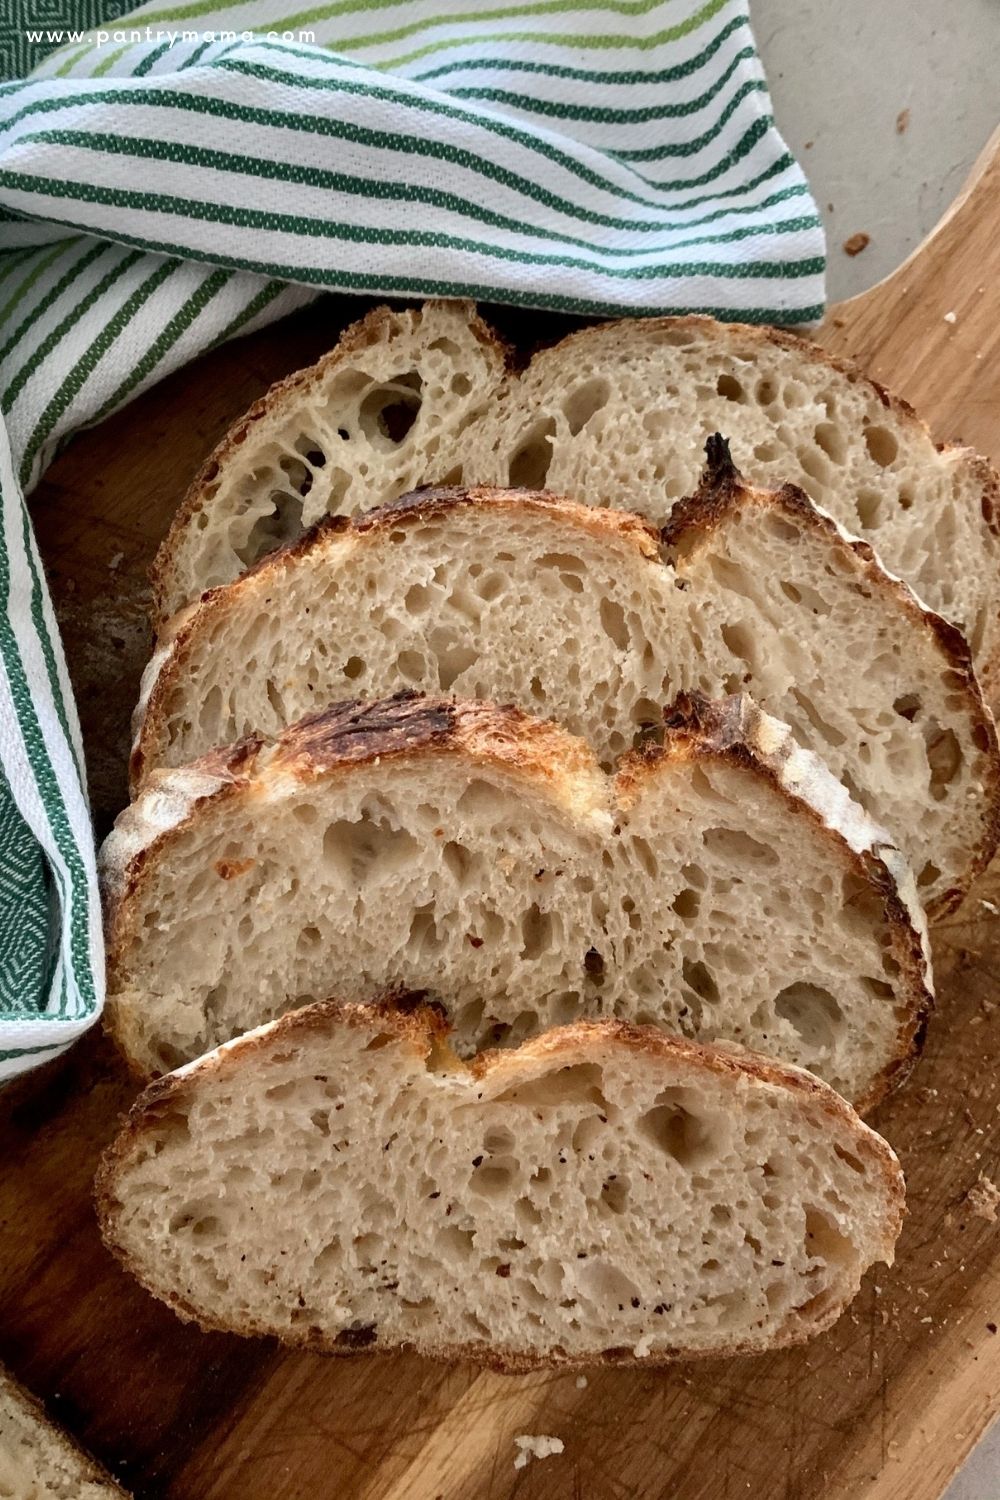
[603, 1193]
[588, 616]
[723, 885]
[38, 1461]
[613, 415]
[378, 414]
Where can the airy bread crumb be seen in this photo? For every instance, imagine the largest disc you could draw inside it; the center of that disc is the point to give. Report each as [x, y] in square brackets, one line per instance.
[339, 1179]
[723, 885]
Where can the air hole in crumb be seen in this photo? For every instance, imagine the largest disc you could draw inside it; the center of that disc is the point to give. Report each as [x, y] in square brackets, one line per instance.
[686, 904]
[868, 504]
[529, 466]
[729, 387]
[698, 978]
[613, 624]
[830, 439]
[678, 1131]
[812, 1011]
[452, 1241]
[605, 1284]
[492, 1180]
[577, 1083]
[825, 1241]
[389, 411]
[944, 756]
[850, 1160]
[536, 933]
[907, 706]
[584, 402]
[737, 847]
[283, 524]
[882, 446]
[417, 599]
[615, 1192]
[458, 860]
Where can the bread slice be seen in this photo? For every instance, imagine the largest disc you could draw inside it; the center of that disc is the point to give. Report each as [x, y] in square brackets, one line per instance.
[38, 1461]
[384, 410]
[617, 415]
[723, 885]
[603, 1193]
[587, 616]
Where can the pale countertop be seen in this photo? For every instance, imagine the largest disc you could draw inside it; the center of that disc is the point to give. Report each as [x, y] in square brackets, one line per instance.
[841, 72]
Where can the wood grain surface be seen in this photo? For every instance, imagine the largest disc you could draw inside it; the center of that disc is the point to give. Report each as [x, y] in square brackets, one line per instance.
[883, 1407]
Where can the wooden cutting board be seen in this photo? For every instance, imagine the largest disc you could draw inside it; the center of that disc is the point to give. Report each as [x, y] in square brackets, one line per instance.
[883, 1407]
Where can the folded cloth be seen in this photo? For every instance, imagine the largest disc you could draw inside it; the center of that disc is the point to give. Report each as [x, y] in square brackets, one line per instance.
[191, 172]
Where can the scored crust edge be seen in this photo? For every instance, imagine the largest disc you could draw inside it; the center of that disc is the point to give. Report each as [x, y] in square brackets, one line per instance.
[356, 733]
[423, 1029]
[722, 489]
[736, 730]
[365, 333]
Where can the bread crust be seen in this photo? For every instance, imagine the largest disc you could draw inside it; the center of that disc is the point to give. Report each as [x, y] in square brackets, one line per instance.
[342, 737]
[723, 491]
[803, 348]
[31, 1410]
[721, 494]
[423, 1030]
[349, 735]
[337, 534]
[364, 334]
[982, 474]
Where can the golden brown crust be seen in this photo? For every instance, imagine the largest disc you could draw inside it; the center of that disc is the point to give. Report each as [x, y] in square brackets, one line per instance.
[364, 334]
[721, 494]
[345, 735]
[501, 734]
[423, 1030]
[343, 531]
[600, 521]
[357, 733]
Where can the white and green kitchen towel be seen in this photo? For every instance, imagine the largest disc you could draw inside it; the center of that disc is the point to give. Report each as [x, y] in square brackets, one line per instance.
[188, 172]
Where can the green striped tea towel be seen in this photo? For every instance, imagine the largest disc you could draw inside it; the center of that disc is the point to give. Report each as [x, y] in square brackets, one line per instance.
[192, 171]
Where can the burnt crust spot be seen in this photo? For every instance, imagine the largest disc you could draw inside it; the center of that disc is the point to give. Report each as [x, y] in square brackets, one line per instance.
[354, 730]
[357, 1338]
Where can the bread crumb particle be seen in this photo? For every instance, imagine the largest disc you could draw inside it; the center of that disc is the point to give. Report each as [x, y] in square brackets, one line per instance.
[116, 562]
[902, 121]
[581, 1382]
[951, 317]
[856, 243]
[990, 906]
[983, 1199]
[539, 1446]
